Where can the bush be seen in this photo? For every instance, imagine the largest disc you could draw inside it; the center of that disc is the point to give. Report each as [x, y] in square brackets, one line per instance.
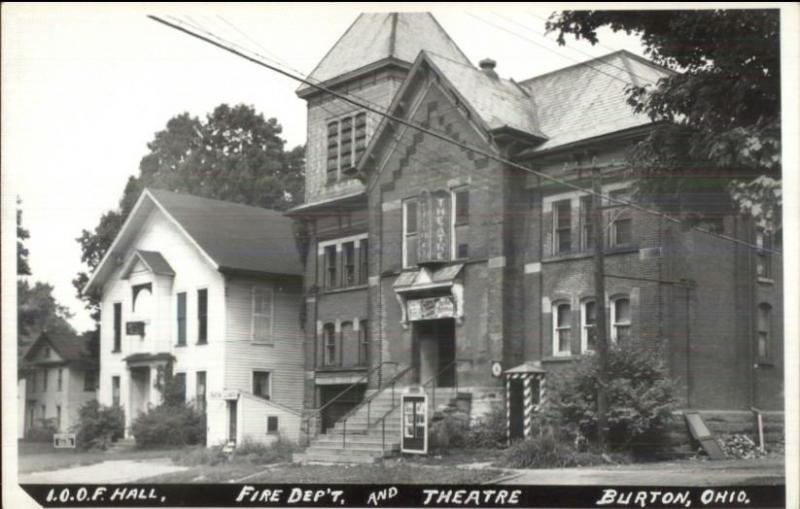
[170, 426]
[640, 396]
[490, 431]
[249, 452]
[449, 429]
[43, 432]
[98, 426]
[546, 451]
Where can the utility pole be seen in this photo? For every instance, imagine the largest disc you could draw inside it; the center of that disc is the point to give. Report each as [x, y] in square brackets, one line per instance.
[601, 339]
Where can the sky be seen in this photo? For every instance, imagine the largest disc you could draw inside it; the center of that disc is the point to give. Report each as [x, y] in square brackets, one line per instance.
[85, 88]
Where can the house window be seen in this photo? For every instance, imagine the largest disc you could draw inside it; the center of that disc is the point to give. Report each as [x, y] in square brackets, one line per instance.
[347, 141]
[115, 391]
[409, 233]
[262, 314]
[587, 225]
[330, 266]
[347, 340]
[763, 259]
[620, 320]
[180, 386]
[200, 390]
[349, 263]
[363, 343]
[621, 223]
[117, 327]
[44, 381]
[363, 261]
[764, 331]
[261, 384]
[589, 326]
[60, 378]
[460, 233]
[272, 424]
[181, 297]
[202, 316]
[562, 329]
[89, 380]
[329, 342]
[58, 416]
[562, 231]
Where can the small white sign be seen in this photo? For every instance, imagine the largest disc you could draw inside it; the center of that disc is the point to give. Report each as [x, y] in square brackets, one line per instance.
[64, 440]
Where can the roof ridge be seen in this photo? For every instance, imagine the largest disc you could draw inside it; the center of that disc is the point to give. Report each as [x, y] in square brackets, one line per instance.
[206, 198]
[577, 64]
[330, 50]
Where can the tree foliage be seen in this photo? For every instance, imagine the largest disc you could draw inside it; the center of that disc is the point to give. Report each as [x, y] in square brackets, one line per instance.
[234, 154]
[23, 266]
[719, 109]
[38, 310]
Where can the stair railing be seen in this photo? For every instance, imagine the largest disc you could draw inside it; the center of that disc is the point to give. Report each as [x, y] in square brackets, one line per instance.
[364, 379]
[433, 381]
[368, 402]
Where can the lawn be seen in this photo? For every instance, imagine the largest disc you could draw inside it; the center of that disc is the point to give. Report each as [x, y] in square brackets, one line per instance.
[391, 471]
[40, 456]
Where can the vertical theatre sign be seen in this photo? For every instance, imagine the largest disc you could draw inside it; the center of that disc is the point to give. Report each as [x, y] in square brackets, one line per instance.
[434, 226]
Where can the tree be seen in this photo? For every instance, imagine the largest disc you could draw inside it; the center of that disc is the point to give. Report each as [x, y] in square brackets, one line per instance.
[718, 113]
[234, 154]
[38, 311]
[23, 266]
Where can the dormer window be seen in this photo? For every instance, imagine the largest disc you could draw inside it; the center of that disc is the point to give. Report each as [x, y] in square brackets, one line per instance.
[347, 140]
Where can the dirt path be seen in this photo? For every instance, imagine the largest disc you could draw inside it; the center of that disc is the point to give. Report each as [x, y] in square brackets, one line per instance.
[117, 471]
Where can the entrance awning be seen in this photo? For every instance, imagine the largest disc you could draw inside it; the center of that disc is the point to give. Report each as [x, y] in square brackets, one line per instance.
[428, 293]
[148, 359]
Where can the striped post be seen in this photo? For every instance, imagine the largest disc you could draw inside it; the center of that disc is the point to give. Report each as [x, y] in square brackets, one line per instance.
[528, 399]
[508, 407]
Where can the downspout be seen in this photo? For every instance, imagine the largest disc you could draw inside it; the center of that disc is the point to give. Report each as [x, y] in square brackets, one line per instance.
[689, 385]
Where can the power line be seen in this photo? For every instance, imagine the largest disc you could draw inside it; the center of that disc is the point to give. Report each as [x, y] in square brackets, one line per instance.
[462, 145]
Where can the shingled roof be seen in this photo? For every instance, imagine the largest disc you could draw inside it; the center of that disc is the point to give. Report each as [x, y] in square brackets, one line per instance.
[588, 99]
[71, 348]
[236, 236]
[378, 36]
[232, 237]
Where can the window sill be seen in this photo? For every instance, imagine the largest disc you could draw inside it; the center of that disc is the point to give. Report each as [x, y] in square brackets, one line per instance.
[262, 343]
[343, 289]
[561, 358]
[765, 363]
[116, 351]
[202, 344]
[181, 345]
[334, 369]
[766, 280]
[608, 251]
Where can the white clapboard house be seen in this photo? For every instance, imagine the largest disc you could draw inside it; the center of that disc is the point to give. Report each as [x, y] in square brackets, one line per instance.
[214, 289]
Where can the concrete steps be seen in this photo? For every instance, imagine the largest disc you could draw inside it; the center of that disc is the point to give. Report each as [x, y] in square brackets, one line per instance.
[122, 445]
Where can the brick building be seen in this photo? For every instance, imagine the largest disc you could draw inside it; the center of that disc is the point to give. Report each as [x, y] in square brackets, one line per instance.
[432, 264]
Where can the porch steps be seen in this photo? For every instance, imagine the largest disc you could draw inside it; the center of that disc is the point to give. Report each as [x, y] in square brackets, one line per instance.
[361, 438]
[122, 445]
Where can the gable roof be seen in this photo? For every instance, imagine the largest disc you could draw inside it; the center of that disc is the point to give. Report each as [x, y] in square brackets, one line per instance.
[230, 236]
[380, 36]
[499, 102]
[588, 99]
[71, 348]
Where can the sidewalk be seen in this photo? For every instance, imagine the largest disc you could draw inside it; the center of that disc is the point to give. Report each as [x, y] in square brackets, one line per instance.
[678, 473]
[111, 472]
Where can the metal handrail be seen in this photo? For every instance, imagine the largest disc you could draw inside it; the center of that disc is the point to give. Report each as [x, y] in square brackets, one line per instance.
[368, 403]
[435, 377]
[318, 411]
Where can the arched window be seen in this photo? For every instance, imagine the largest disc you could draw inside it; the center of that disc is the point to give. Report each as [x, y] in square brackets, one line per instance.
[588, 326]
[620, 319]
[764, 331]
[562, 329]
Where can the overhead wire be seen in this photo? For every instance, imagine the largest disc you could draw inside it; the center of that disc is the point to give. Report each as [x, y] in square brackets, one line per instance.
[443, 137]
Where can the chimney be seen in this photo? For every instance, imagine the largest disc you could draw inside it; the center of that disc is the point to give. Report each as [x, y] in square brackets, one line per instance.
[487, 65]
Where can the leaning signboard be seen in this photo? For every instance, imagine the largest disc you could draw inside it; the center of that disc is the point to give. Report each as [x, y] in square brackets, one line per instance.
[64, 440]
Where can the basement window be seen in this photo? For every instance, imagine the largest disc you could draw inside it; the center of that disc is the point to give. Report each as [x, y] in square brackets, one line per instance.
[272, 425]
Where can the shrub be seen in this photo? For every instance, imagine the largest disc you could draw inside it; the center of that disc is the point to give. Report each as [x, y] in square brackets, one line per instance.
[490, 431]
[43, 432]
[449, 429]
[201, 456]
[98, 425]
[250, 452]
[640, 396]
[171, 426]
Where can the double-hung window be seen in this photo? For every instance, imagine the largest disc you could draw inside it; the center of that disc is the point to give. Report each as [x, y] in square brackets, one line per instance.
[261, 325]
[331, 273]
[117, 327]
[180, 386]
[363, 343]
[621, 222]
[589, 326]
[763, 260]
[587, 222]
[348, 263]
[460, 233]
[562, 329]
[181, 318]
[764, 332]
[60, 378]
[363, 261]
[410, 233]
[562, 227]
[329, 344]
[620, 320]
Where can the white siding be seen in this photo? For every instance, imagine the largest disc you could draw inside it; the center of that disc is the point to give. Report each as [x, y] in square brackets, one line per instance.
[282, 357]
[253, 413]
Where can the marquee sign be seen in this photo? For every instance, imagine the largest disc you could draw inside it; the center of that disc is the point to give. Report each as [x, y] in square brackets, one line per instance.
[431, 308]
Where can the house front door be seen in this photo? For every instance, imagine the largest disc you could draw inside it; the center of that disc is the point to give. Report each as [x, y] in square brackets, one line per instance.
[232, 419]
[434, 352]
